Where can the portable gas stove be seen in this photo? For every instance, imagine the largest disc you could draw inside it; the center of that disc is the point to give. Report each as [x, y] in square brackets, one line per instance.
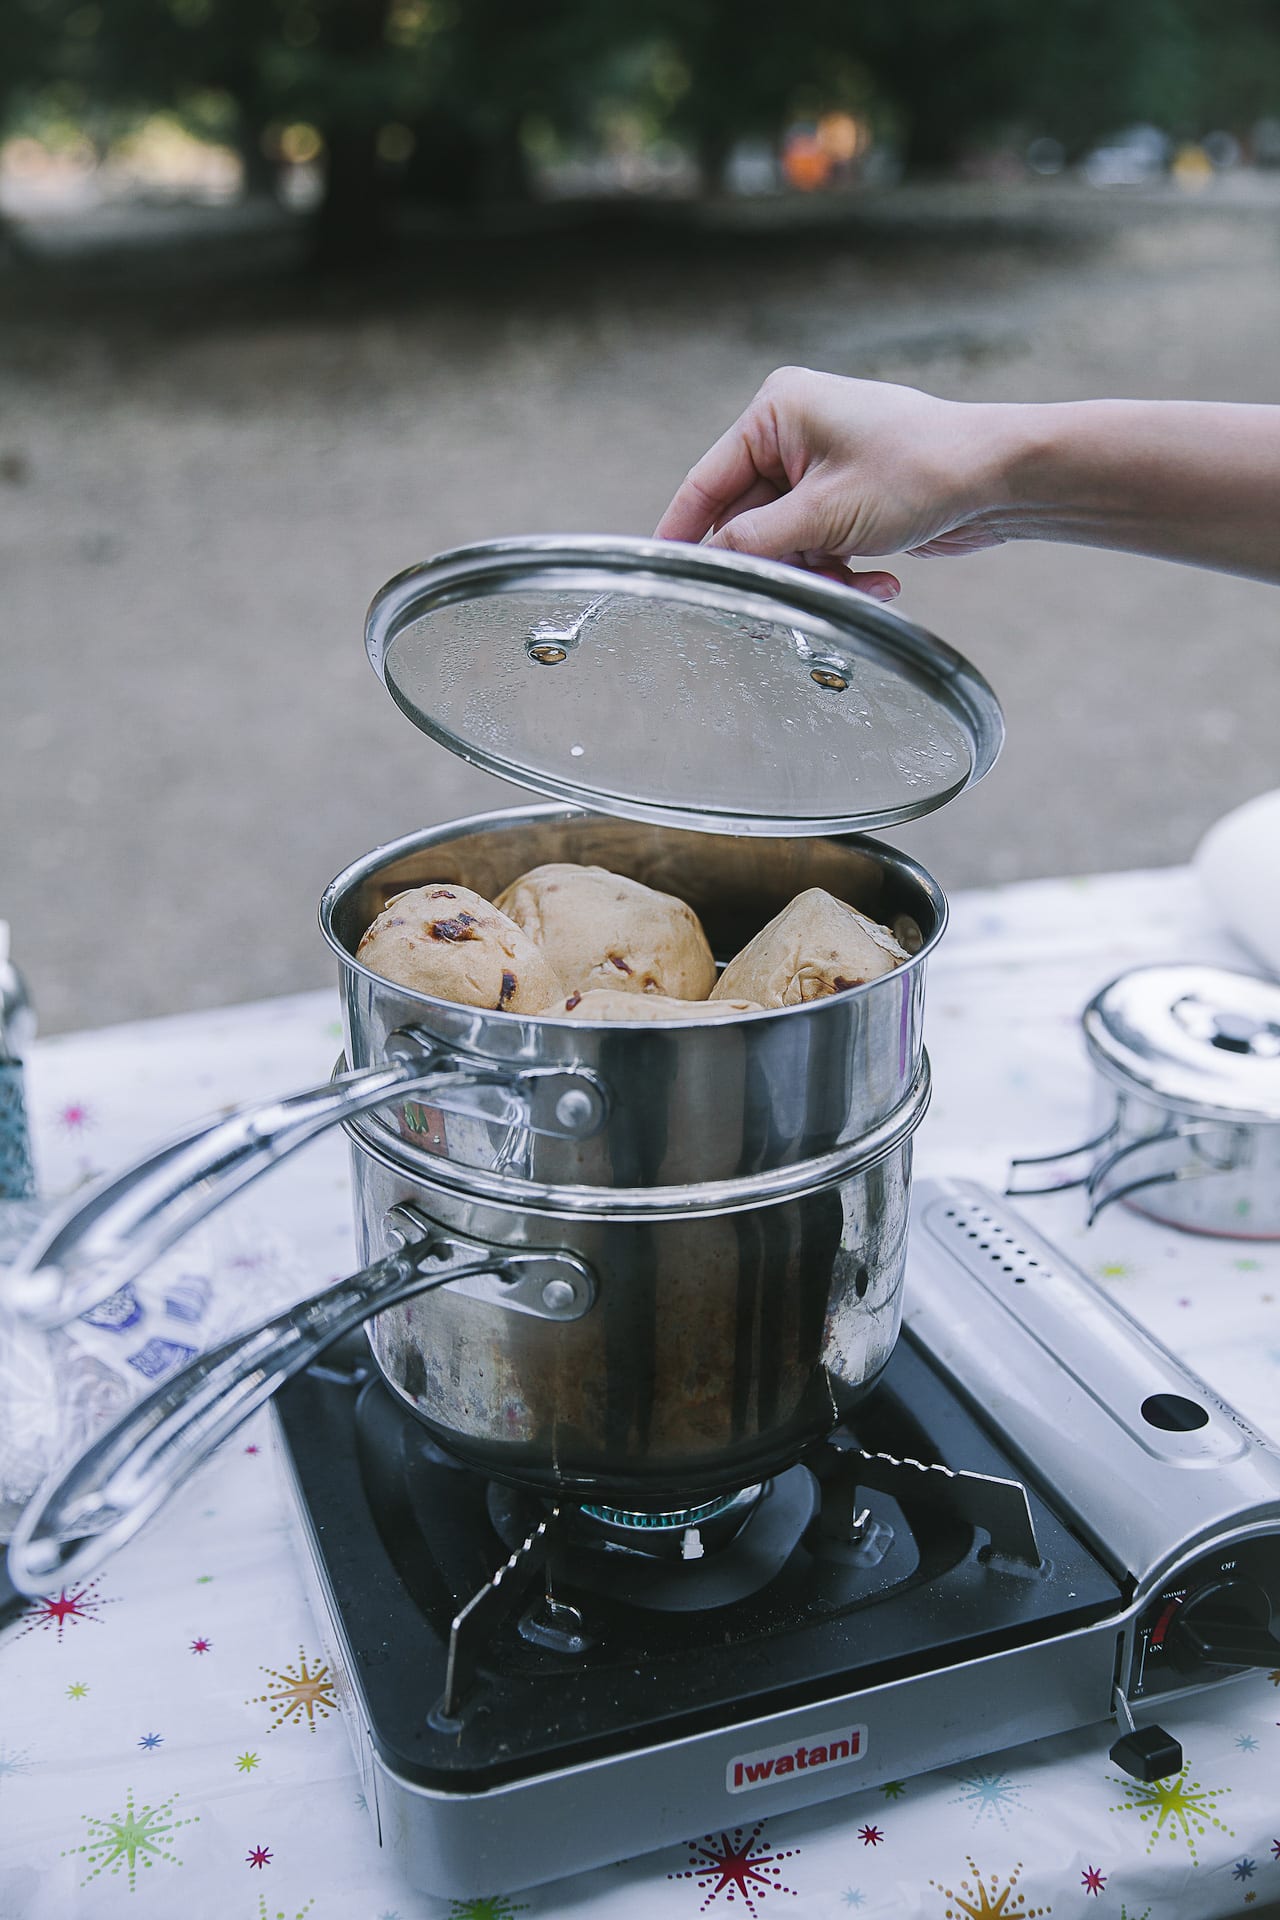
[1038, 1520]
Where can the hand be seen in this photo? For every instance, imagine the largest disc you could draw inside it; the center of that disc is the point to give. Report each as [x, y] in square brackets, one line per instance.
[820, 470]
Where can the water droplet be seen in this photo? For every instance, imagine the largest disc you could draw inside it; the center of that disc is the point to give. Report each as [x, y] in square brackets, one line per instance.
[577, 752]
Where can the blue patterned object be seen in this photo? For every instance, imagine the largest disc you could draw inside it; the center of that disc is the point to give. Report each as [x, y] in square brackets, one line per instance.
[17, 1175]
[159, 1357]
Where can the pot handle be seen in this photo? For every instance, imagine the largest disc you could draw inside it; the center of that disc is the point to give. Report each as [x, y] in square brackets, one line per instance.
[86, 1251]
[86, 1511]
[1187, 1153]
[1056, 1172]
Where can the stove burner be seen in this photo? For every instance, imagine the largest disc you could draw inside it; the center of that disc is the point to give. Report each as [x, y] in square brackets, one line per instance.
[681, 1517]
[681, 1560]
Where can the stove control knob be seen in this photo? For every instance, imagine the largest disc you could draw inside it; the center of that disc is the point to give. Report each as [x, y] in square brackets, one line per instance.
[1148, 1754]
[1226, 1625]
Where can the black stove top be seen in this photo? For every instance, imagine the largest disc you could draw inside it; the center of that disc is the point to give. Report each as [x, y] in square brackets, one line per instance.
[602, 1634]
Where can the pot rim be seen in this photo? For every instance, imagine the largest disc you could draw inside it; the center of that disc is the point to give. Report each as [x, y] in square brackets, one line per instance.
[699, 1199]
[369, 864]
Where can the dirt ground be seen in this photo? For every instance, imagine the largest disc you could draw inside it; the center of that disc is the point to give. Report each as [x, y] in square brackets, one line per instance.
[207, 468]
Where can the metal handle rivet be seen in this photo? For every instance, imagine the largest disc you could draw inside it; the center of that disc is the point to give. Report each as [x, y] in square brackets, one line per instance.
[825, 677]
[558, 1296]
[574, 1109]
[547, 655]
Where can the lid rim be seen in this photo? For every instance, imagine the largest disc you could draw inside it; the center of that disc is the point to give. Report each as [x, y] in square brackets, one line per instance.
[887, 638]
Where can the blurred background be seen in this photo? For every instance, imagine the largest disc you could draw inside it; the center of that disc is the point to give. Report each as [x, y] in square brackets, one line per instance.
[294, 293]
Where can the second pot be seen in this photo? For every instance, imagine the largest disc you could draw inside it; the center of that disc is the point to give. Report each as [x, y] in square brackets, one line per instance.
[717, 1348]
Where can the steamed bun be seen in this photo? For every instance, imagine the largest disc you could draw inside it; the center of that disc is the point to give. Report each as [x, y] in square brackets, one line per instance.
[447, 941]
[816, 946]
[601, 1004]
[600, 930]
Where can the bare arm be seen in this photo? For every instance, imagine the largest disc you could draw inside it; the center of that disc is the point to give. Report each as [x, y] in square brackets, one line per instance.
[823, 472]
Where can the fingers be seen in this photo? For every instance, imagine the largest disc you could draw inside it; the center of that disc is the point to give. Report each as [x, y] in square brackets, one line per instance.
[723, 475]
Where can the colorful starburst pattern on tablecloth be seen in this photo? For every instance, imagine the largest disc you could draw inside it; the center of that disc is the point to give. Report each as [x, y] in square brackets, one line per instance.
[1275, 1849]
[69, 1609]
[77, 1690]
[1246, 1743]
[870, 1836]
[994, 1794]
[854, 1897]
[736, 1865]
[493, 1907]
[1274, 1676]
[125, 1841]
[202, 1645]
[150, 1741]
[988, 1898]
[1093, 1880]
[893, 1789]
[258, 1857]
[15, 1760]
[307, 1694]
[75, 1117]
[246, 1762]
[1244, 1869]
[1177, 1807]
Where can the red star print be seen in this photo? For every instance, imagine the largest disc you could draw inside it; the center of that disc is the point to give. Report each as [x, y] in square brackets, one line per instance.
[253, 1449]
[74, 1118]
[1093, 1880]
[258, 1857]
[1275, 1849]
[737, 1867]
[82, 1604]
[870, 1836]
[201, 1646]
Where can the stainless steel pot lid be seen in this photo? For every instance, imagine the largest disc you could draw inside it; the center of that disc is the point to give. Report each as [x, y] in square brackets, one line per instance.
[683, 686]
[1203, 1039]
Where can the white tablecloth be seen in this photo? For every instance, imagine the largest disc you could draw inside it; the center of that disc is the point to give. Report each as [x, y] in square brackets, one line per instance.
[168, 1740]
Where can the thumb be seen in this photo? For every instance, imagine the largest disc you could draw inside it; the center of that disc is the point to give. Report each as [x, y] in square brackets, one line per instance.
[781, 529]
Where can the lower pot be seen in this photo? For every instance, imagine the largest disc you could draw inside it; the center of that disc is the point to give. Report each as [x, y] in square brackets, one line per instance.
[642, 1360]
[718, 1346]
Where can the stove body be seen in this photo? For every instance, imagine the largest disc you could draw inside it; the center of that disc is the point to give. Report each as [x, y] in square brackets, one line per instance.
[1043, 1520]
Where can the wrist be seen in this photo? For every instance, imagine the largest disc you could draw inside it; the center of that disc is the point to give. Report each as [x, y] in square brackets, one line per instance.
[1051, 469]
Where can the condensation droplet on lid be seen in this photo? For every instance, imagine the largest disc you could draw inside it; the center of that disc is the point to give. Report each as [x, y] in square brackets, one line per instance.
[577, 752]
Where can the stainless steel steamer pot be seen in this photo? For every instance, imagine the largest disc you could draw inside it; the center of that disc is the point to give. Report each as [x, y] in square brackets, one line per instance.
[638, 1345]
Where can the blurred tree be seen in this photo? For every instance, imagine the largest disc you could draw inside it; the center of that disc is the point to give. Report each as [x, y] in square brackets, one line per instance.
[441, 98]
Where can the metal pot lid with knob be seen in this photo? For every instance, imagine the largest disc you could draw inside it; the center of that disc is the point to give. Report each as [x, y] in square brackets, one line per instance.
[1203, 1040]
[681, 685]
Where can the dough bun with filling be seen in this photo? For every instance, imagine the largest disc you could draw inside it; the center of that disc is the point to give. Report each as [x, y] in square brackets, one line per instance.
[604, 1004]
[601, 930]
[816, 946]
[447, 941]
